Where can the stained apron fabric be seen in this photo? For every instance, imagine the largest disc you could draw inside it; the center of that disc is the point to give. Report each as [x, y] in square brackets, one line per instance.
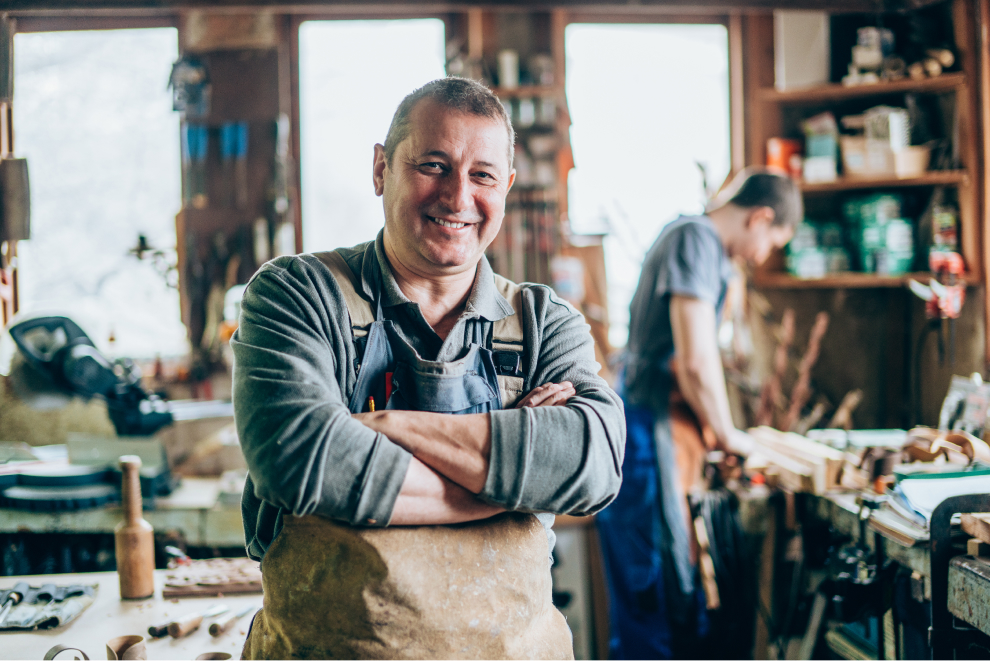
[475, 590]
[656, 609]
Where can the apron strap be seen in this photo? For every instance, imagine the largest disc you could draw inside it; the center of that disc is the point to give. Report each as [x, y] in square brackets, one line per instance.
[359, 309]
[508, 338]
[507, 333]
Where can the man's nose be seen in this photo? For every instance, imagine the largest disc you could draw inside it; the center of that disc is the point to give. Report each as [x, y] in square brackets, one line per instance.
[457, 192]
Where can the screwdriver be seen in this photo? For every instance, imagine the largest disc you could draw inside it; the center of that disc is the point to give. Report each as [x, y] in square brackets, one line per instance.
[13, 598]
[222, 625]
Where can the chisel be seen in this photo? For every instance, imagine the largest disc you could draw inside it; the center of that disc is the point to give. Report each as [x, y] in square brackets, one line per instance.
[222, 625]
[13, 598]
[185, 625]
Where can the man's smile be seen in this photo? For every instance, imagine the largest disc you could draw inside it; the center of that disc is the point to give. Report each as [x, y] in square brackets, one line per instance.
[447, 223]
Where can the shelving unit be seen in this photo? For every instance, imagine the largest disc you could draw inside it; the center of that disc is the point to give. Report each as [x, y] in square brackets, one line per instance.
[775, 112]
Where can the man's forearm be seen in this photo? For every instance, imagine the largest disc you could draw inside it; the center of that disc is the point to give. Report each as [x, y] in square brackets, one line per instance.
[699, 364]
[457, 447]
[703, 386]
[428, 498]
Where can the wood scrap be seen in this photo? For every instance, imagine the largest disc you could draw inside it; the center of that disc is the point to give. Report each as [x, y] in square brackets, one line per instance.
[816, 467]
[771, 393]
[843, 415]
[808, 422]
[801, 392]
[977, 525]
[212, 577]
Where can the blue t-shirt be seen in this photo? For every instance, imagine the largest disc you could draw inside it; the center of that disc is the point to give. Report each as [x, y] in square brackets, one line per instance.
[687, 259]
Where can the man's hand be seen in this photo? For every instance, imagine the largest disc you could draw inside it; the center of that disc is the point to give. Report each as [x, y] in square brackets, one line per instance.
[739, 442]
[550, 394]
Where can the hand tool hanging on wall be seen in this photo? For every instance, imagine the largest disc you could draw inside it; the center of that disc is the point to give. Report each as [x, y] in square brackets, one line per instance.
[233, 152]
[943, 296]
[195, 146]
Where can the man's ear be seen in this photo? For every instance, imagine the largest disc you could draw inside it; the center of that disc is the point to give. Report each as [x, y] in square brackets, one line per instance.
[760, 217]
[381, 164]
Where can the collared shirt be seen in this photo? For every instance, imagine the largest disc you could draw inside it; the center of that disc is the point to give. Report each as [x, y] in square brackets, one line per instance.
[687, 259]
[294, 374]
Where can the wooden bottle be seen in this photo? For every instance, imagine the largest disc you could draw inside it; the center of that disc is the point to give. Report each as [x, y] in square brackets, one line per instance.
[134, 537]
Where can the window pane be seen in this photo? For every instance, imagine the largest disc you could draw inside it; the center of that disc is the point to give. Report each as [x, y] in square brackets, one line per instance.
[648, 102]
[352, 75]
[94, 118]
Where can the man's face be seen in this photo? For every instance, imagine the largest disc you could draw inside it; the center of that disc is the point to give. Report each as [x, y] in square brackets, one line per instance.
[761, 237]
[444, 192]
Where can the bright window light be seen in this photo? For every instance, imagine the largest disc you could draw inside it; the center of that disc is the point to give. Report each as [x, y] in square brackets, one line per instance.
[648, 102]
[94, 118]
[352, 76]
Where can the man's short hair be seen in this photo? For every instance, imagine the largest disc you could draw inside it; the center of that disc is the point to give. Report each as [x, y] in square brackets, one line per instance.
[753, 188]
[460, 94]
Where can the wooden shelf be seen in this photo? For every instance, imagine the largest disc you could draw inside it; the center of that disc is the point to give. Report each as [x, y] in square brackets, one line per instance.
[828, 93]
[526, 91]
[930, 178]
[844, 281]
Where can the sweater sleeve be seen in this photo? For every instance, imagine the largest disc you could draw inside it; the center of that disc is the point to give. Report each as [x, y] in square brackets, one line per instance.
[558, 459]
[304, 451]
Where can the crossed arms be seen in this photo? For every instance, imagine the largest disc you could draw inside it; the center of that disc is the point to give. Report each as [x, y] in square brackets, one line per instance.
[450, 459]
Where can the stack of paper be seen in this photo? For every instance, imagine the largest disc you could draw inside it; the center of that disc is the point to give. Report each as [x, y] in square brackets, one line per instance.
[917, 498]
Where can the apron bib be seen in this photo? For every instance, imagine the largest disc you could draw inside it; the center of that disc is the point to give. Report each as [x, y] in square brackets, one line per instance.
[475, 590]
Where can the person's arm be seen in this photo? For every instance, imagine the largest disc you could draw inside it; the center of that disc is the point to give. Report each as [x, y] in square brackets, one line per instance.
[699, 369]
[456, 446]
[428, 498]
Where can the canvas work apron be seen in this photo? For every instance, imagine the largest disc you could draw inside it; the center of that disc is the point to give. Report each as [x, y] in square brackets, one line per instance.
[474, 590]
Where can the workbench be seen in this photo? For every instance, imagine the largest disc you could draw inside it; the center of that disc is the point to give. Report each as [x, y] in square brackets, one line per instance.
[195, 510]
[109, 617]
[968, 597]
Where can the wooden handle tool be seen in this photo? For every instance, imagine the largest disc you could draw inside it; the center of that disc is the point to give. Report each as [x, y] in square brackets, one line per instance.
[223, 624]
[159, 630]
[186, 625]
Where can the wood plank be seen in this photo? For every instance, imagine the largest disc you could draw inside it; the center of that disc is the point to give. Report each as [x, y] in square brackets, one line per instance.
[977, 525]
[737, 94]
[780, 280]
[930, 178]
[380, 8]
[968, 132]
[983, 19]
[834, 92]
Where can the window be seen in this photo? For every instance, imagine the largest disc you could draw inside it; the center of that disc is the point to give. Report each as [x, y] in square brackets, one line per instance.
[94, 118]
[648, 102]
[352, 76]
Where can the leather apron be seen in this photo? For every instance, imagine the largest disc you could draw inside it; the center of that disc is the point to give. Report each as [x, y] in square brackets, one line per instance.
[474, 590]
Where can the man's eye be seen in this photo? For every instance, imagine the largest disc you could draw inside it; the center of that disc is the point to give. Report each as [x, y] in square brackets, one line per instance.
[483, 175]
[432, 166]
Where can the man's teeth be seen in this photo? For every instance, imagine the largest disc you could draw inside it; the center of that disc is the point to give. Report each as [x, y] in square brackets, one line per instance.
[455, 226]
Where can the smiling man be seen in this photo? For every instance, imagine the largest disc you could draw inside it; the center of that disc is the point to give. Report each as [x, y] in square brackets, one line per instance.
[412, 422]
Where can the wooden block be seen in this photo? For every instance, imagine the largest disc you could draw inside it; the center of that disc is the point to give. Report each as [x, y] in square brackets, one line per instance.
[977, 548]
[977, 525]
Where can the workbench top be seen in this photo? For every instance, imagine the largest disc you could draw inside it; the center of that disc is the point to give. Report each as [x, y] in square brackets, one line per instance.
[109, 617]
[194, 509]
